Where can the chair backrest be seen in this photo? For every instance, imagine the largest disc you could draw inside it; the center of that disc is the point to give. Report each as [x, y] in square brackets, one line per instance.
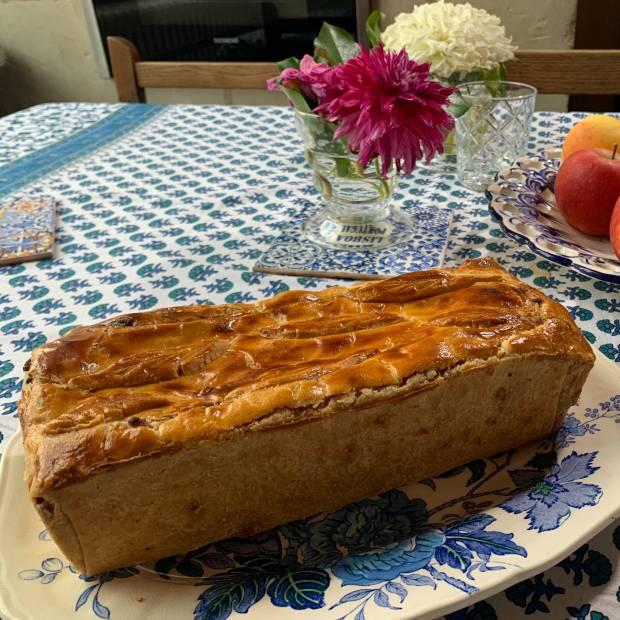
[133, 75]
[568, 72]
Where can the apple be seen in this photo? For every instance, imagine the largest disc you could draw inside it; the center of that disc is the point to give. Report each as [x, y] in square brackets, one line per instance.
[596, 131]
[614, 228]
[587, 187]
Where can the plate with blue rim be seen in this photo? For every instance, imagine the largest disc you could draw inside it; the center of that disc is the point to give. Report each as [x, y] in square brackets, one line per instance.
[522, 200]
[421, 551]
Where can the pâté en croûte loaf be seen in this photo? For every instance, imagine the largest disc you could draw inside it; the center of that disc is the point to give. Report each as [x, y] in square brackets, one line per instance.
[154, 433]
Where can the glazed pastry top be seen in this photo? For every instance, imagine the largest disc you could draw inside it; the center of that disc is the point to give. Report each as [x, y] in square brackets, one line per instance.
[143, 383]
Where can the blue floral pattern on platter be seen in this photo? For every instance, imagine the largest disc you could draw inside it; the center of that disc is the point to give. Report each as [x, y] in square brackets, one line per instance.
[378, 551]
[395, 543]
[522, 200]
[548, 502]
[53, 567]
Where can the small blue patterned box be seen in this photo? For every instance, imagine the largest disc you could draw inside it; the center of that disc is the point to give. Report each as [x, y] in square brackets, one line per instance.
[291, 253]
[26, 229]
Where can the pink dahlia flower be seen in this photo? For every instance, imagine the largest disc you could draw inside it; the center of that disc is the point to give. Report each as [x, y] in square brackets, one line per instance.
[310, 78]
[386, 105]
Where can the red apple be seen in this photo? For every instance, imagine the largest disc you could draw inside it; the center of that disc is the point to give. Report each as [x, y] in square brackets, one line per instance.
[614, 228]
[586, 189]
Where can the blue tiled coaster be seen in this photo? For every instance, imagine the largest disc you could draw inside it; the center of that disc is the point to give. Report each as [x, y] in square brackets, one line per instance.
[292, 253]
[26, 229]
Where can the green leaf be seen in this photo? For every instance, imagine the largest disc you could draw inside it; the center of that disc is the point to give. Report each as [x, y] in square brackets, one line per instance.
[493, 79]
[335, 44]
[458, 77]
[288, 63]
[299, 589]
[491, 75]
[343, 166]
[459, 107]
[296, 98]
[373, 27]
[235, 590]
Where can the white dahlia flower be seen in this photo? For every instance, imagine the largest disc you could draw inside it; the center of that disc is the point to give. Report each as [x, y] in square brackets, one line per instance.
[454, 38]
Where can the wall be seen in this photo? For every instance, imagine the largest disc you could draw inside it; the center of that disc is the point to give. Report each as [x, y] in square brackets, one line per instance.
[50, 56]
[531, 23]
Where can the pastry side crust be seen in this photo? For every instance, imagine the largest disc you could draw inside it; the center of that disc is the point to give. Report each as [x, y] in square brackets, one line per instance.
[152, 434]
[247, 482]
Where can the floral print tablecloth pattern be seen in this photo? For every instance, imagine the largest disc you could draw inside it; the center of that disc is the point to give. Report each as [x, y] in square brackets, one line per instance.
[165, 205]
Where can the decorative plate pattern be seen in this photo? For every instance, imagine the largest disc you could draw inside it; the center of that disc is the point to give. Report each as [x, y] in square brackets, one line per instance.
[522, 200]
[414, 552]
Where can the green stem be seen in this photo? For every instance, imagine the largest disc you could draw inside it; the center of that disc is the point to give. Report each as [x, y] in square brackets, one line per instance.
[343, 166]
[383, 186]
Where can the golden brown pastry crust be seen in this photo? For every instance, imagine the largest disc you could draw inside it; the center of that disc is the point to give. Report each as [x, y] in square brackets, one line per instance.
[150, 383]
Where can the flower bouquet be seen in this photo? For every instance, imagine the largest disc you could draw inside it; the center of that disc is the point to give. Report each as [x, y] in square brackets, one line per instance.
[461, 43]
[366, 116]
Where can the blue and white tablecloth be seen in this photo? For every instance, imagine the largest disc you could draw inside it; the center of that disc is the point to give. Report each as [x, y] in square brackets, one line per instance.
[166, 205]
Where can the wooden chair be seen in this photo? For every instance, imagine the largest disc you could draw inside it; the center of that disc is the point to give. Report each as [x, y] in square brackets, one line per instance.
[564, 72]
[568, 72]
[133, 75]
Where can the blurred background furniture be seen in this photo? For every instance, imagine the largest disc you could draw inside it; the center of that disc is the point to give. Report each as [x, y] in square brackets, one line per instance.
[597, 26]
[132, 75]
[568, 72]
[224, 30]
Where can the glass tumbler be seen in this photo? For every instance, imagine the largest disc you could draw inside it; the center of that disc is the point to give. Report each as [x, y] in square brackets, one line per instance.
[493, 131]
